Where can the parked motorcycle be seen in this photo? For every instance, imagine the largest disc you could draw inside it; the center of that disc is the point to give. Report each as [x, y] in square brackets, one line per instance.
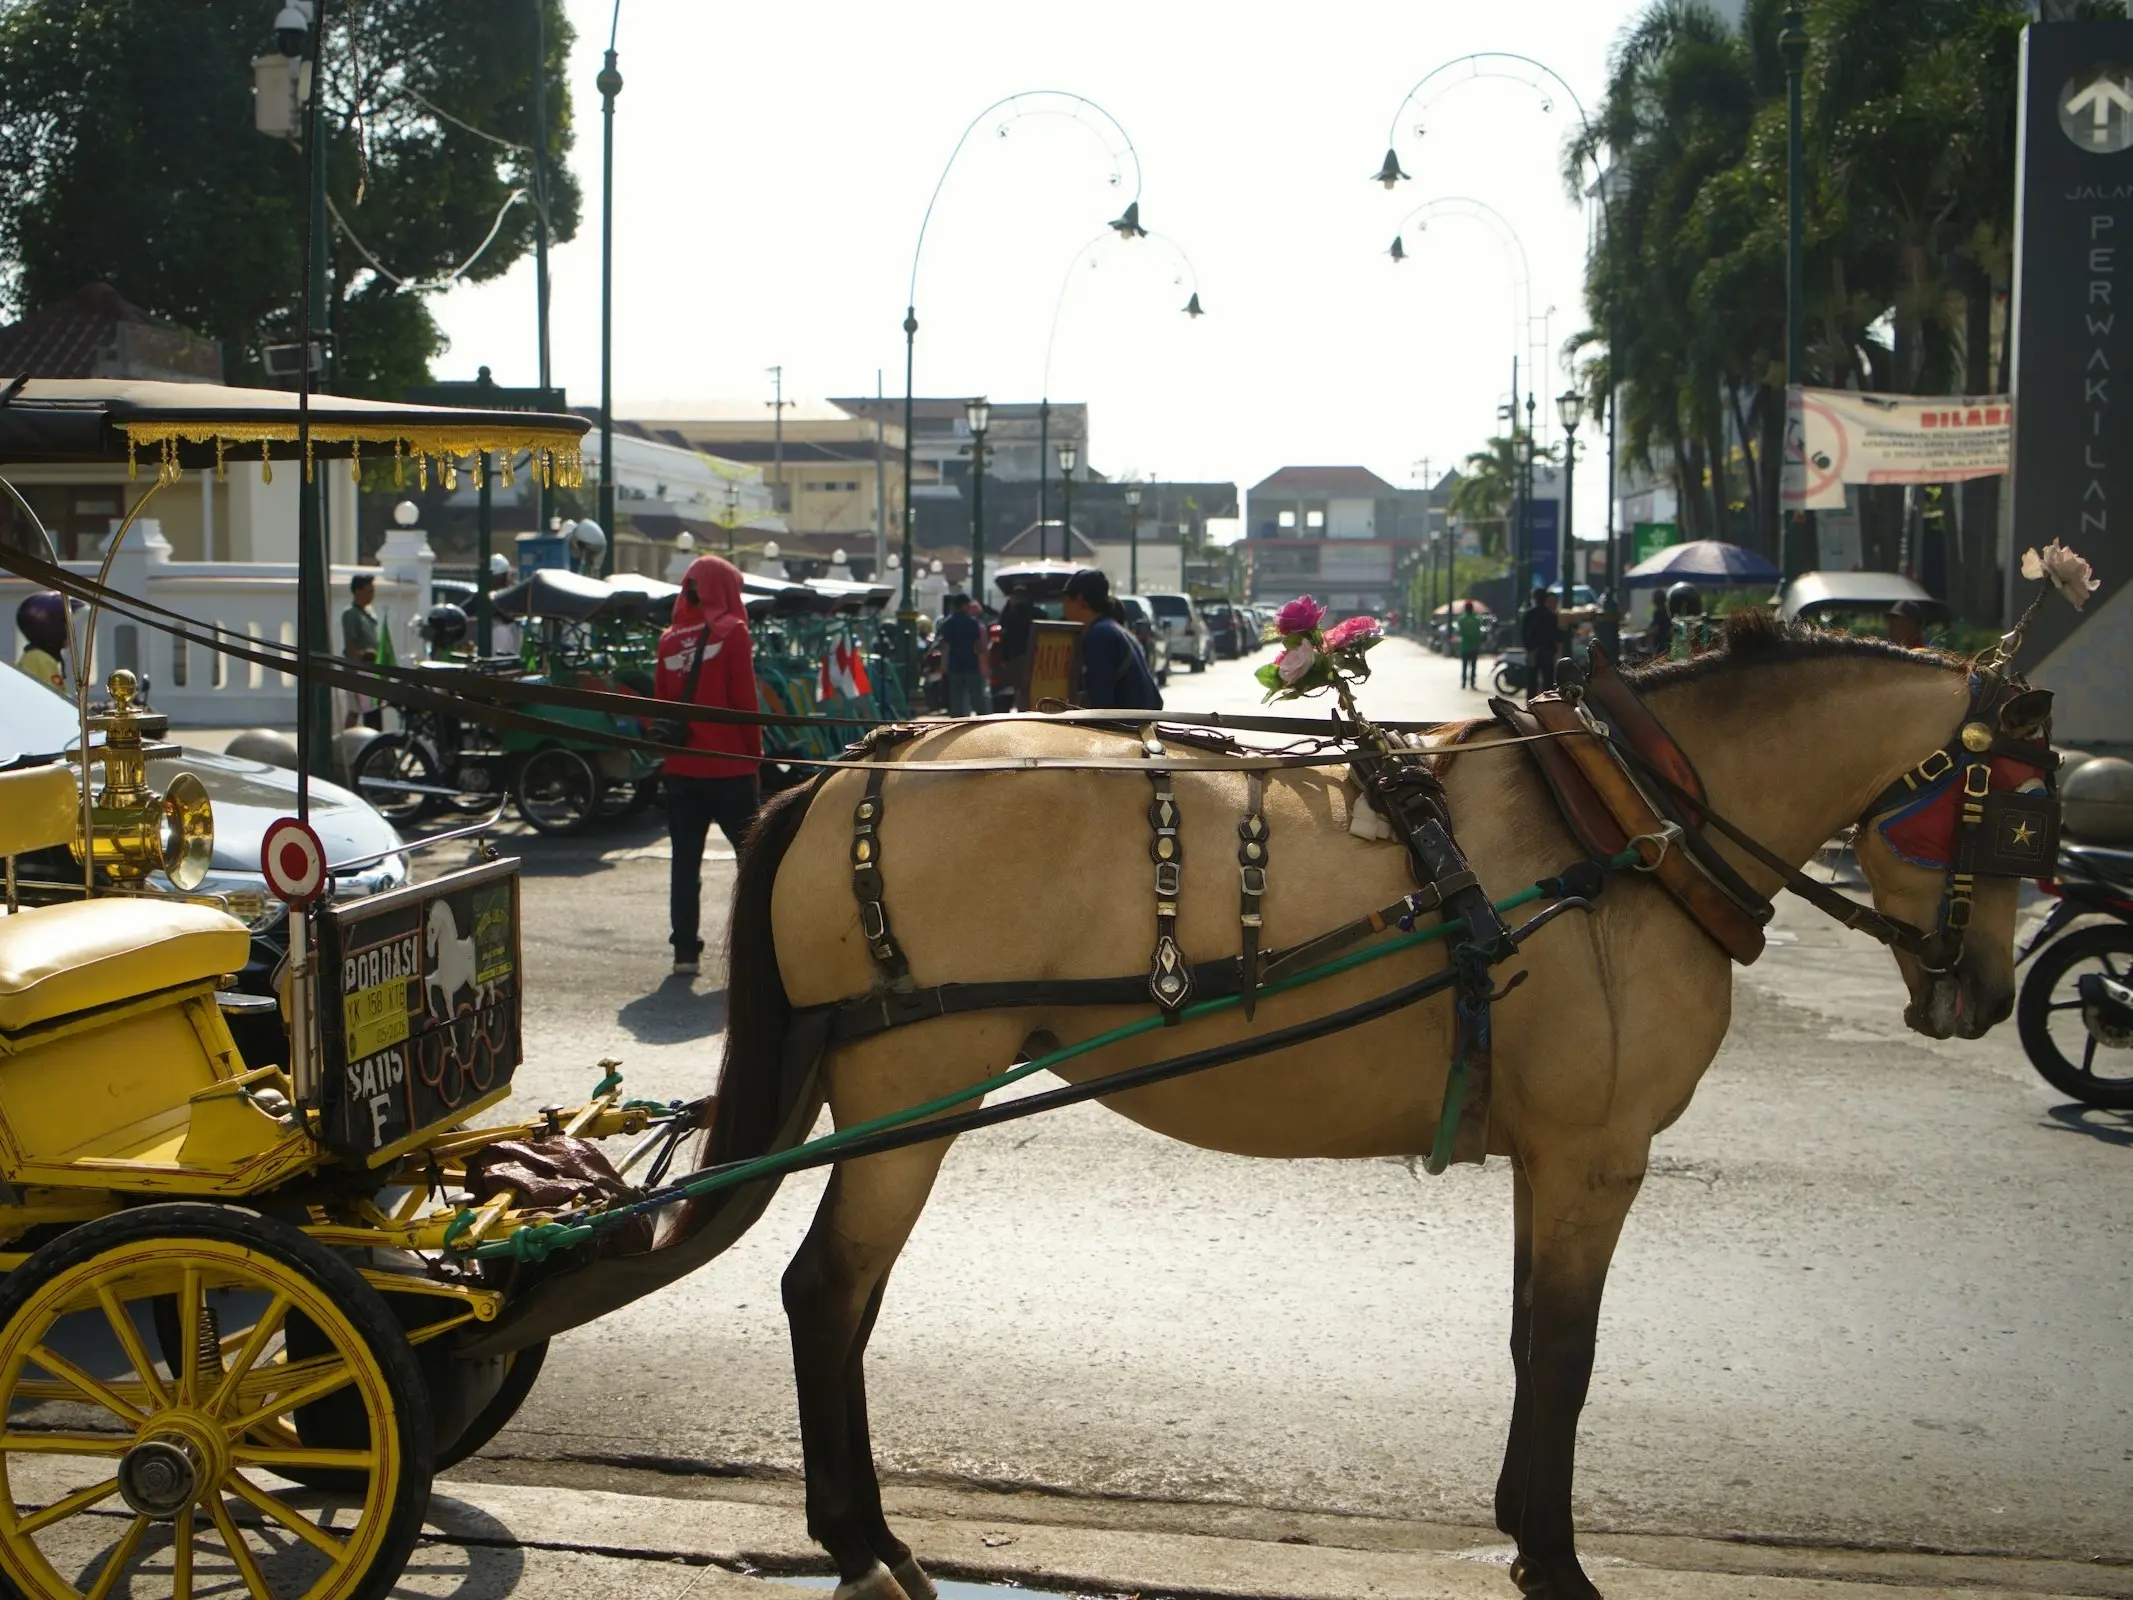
[2075, 1013]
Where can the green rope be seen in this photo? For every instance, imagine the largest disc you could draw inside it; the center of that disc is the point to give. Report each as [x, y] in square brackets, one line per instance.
[540, 1240]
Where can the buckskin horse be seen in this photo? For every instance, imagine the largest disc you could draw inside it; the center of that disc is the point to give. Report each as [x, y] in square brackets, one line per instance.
[1793, 737]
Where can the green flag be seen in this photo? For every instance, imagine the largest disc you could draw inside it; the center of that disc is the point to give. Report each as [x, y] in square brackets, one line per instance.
[386, 657]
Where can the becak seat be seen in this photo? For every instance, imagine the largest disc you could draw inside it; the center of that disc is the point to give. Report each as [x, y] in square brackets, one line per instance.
[77, 956]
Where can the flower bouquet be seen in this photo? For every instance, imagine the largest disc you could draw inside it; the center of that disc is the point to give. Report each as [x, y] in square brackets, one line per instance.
[1315, 658]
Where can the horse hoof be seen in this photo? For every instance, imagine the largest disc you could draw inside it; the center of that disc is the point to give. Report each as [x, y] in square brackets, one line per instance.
[1553, 1580]
[916, 1585]
[877, 1583]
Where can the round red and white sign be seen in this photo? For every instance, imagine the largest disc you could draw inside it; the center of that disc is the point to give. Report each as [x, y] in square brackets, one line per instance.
[293, 860]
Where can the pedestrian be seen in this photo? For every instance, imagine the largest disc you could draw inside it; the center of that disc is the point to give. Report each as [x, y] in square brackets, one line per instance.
[1690, 632]
[1607, 627]
[1541, 634]
[359, 642]
[42, 621]
[1469, 647]
[706, 658]
[1907, 624]
[962, 635]
[1018, 619]
[1659, 632]
[1114, 672]
[504, 638]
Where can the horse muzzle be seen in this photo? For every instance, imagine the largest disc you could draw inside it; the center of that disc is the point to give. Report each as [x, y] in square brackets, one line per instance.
[1957, 1003]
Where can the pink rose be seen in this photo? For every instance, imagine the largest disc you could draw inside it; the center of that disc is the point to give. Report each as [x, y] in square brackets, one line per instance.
[1299, 616]
[1354, 631]
[1293, 663]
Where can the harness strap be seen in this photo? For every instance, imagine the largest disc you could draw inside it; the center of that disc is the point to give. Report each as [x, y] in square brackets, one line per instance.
[867, 886]
[1251, 873]
[1169, 977]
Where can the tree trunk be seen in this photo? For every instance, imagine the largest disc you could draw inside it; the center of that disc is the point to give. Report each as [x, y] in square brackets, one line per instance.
[1714, 444]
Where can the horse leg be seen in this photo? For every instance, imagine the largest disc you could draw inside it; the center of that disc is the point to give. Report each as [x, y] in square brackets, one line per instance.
[833, 1291]
[1570, 1207]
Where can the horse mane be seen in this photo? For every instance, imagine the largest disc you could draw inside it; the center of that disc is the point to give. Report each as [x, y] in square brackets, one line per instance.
[1752, 638]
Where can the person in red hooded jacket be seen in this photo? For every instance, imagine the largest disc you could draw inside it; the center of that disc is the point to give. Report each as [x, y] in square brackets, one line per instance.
[705, 659]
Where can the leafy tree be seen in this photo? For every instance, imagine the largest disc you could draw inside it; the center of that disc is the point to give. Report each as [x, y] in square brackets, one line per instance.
[128, 153]
[1487, 486]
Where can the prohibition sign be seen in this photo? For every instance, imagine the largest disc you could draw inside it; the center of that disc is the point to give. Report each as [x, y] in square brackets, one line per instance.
[293, 861]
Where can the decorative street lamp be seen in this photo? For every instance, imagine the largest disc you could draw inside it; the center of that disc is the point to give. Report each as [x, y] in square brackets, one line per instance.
[1570, 411]
[1086, 114]
[979, 414]
[1068, 456]
[1133, 538]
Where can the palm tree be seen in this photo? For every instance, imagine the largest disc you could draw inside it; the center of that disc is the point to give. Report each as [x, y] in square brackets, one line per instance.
[1482, 497]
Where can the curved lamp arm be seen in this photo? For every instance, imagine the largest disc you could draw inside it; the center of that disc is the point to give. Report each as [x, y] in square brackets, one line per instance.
[1188, 277]
[1485, 64]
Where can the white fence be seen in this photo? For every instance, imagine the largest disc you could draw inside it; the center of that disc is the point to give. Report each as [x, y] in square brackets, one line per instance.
[197, 687]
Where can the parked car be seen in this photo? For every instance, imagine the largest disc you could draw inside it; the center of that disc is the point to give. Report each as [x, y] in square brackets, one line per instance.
[37, 724]
[1155, 644]
[1258, 620]
[1225, 628]
[1185, 629]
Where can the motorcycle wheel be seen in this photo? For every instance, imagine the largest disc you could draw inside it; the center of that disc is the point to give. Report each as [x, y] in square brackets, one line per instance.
[2048, 1017]
[389, 759]
[1506, 682]
[557, 791]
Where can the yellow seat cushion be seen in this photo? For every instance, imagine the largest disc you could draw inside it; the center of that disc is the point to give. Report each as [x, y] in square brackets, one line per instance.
[39, 807]
[86, 953]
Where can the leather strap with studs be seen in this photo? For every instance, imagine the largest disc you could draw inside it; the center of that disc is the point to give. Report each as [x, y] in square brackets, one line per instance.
[1169, 977]
[1251, 873]
[867, 885]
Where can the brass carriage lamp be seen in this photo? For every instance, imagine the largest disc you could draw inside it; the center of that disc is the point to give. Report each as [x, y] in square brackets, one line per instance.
[134, 830]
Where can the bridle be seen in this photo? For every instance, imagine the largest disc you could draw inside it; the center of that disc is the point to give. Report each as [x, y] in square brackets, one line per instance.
[2002, 827]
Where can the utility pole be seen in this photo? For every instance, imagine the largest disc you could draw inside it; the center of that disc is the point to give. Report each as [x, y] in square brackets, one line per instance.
[777, 438]
[1792, 45]
[609, 83]
[540, 229]
[881, 483]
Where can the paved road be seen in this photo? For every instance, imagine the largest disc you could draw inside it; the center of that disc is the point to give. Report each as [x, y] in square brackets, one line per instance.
[1876, 1292]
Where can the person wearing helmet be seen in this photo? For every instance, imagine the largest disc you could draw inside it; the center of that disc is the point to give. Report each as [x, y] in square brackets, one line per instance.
[504, 637]
[42, 621]
[359, 642]
[707, 659]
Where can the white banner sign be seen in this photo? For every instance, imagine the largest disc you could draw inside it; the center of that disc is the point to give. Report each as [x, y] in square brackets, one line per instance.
[1839, 436]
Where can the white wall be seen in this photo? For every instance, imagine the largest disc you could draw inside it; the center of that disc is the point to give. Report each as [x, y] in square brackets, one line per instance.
[1162, 567]
[1351, 519]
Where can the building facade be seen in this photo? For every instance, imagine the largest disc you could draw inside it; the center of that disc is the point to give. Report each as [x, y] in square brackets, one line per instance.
[1341, 534]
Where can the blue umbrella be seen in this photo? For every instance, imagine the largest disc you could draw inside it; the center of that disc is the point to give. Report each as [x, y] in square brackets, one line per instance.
[1702, 561]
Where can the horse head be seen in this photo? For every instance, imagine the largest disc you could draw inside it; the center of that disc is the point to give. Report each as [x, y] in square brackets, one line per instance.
[1963, 983]
[440, 929]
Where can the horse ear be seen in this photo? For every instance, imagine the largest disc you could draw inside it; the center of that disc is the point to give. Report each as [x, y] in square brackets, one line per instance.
[2026, 714]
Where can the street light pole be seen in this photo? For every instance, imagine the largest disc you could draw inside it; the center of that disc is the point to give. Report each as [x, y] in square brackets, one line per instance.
[979, 414]
[1068, 456]
[1133, 538]
[609, 83]
[1792, 45]
[1570, 411]
[540, 217]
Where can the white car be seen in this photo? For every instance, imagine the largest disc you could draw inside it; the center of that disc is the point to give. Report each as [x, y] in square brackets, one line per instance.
[1184, 628]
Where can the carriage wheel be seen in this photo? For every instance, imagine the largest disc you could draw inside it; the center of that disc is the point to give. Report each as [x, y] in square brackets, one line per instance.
[522, 1367]
[128, 1474]
[388, 761]
[557, 790]
[2055, 1032]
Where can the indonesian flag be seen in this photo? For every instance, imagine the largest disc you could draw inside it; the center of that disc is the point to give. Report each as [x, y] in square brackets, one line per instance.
[857, 684]
[826, 684]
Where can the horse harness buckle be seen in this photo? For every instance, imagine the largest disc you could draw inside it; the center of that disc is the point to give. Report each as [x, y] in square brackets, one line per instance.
[868, 887]
[1169, 977]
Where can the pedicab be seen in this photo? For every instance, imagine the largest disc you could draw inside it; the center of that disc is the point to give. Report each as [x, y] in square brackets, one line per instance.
[578, 633]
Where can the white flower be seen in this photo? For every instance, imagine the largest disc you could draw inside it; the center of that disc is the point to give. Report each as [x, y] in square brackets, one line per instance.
[1294, 662]
[2068, 572]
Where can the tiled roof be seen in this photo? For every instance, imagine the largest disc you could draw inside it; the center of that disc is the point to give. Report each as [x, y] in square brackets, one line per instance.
[96, 332]
[1352, 481]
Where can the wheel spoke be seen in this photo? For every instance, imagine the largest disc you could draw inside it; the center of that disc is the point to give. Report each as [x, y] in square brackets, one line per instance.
[181, 1556]
[2074, 1004]
[189, 1302]
[240, 1552]
[288, 1516]
[74, 1378]
[2088, 1058]
[269, 1323]
[65, 1444]
[128, 1546]
[277, 1459]
[338, 1378]
[59, 1510]
[129, 1338]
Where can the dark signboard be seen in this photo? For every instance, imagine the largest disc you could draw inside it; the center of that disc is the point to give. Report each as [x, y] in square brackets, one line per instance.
[419, 997]
[483, 395]
[2073, 303]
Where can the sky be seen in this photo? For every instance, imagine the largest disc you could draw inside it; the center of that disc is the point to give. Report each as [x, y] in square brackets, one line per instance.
[773, 163]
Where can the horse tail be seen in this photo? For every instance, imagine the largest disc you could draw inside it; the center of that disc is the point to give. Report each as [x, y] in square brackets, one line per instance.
[758, 1012]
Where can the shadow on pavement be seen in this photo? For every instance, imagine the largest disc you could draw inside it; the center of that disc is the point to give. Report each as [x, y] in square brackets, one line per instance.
[674, 1013]
[2109, 1127]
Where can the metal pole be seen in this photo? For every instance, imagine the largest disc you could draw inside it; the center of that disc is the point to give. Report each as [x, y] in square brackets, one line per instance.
[881, 483]
[1044, 469]
[1066, 514]
[1562, 543]
[540, 220]
[777, 438]
[484, 540]
[1792, 44]
[609, 84]
[906, 617]
[314, 756]
[977, 515]
[1532, 468]
[1133, 551]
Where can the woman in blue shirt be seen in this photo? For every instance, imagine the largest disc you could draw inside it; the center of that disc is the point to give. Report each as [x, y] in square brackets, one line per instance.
[1114, 673]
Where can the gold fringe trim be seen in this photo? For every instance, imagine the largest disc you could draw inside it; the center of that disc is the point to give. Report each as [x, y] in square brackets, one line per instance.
[556, 459]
